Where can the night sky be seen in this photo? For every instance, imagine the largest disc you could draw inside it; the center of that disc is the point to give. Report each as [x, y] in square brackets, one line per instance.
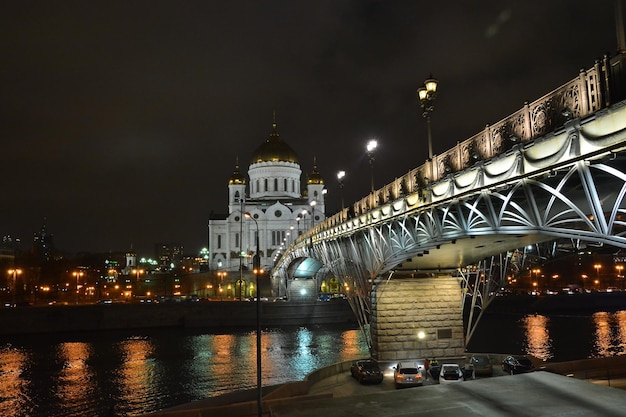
[121, 121]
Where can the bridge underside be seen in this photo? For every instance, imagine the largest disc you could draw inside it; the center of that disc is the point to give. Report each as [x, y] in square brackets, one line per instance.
[462, 252]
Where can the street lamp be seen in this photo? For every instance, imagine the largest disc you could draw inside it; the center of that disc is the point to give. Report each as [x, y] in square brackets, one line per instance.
[427, 95]
[313, 204]
[340, 176]
[597, 267]
[256, 264]
[15, 272]
[371, 147]
[137, 272]
[77, 275]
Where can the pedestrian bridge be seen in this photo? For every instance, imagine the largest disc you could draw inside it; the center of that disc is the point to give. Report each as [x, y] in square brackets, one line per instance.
[438, 240]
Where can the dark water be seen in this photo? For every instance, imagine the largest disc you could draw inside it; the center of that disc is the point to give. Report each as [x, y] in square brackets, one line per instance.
[132, 373]
[554, 337]
[129, 373]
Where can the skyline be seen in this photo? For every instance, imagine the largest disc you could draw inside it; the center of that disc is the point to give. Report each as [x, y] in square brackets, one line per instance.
[122, 121]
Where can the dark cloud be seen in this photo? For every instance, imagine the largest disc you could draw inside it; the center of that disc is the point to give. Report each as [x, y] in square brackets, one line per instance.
[121, 120]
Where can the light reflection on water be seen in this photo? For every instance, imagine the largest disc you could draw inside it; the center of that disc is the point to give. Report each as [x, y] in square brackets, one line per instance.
[124, 374]
[607, 335]
[538, 343]
[610, 335]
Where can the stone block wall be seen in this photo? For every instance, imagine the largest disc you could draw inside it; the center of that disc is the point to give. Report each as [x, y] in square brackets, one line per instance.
[404, 308]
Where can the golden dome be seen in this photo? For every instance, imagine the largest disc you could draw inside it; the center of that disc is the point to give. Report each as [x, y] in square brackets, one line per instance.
[237, 178]
[274, 150]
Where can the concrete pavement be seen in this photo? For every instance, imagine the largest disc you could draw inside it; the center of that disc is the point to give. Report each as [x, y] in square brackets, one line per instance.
[534, 394]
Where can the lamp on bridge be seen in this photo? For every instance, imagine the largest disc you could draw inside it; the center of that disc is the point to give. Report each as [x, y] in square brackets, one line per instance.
[340, 177]
[256, 264]
[427, 95]
[371, 147]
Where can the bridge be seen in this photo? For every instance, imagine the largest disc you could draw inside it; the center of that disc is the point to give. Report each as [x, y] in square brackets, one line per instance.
[439, 240]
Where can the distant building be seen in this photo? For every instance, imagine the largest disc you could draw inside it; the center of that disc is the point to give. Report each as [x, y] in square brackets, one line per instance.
[168, 255]
[273, 196]
[43, 245]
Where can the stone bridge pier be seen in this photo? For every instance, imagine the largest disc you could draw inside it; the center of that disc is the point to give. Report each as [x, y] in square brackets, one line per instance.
[416, 318]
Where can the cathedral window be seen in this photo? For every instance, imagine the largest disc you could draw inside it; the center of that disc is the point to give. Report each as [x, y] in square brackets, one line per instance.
[236, 196]
[219, 241]
[258, 186]
[265, 184]
[277, 237]
[237, 240]
[285, 184]
[275, 184]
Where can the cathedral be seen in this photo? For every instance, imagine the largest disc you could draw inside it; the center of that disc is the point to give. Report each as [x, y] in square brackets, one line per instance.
[269, 208]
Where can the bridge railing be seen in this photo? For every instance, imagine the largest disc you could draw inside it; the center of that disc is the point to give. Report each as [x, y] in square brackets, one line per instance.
[591, 91]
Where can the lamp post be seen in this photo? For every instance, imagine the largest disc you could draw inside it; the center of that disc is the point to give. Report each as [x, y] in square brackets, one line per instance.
[427, 95]
[313, 204]
[77, 275]
[303, 217]
[340, 177]
[221, 275]
[371, 147]
[597, 267]
[256, 263]
[15, 272]
[137, 272]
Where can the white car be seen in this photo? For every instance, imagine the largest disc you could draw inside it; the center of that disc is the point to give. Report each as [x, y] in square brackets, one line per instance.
[407, 375]
[450, 372]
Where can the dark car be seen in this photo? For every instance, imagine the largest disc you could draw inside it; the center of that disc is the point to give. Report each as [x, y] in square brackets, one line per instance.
[517, 365]
[366, 371]
[481, 365]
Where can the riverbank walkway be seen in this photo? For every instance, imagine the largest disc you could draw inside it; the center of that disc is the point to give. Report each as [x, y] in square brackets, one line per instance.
[581, 388]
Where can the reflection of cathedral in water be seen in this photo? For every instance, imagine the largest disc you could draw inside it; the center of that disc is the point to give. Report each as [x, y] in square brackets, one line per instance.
[270, 208]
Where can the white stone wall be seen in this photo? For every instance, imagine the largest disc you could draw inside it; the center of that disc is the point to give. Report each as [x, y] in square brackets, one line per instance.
[404, 307]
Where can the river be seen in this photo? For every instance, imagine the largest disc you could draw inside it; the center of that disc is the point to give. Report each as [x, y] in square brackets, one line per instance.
[127, 373]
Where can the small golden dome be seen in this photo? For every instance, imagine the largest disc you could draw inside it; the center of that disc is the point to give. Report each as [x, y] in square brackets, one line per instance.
[274, 150]
[237, 178]
[315, 177]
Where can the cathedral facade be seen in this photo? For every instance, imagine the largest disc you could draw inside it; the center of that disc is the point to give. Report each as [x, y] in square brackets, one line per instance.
[268, 208]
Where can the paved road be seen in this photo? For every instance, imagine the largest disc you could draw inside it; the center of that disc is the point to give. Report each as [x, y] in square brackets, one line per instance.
[535, 394]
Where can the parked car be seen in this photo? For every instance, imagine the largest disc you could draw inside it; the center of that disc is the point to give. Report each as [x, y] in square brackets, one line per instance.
[366, 371]
[482, 365]
[407, 375]
[517, 364]
[450, 372]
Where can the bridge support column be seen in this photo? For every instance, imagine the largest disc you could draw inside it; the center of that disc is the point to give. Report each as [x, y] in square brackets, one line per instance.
[404, 308]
